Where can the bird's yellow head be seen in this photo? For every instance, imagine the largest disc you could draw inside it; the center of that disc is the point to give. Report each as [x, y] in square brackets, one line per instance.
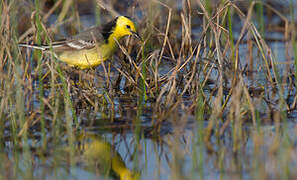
[124, 27]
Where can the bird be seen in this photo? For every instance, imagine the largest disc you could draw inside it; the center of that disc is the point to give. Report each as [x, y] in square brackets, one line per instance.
[90, 48]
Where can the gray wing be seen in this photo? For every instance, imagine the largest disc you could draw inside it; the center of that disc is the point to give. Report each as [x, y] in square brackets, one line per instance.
[84, 40]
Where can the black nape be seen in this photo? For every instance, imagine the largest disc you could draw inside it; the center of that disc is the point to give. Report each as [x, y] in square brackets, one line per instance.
[107, 29]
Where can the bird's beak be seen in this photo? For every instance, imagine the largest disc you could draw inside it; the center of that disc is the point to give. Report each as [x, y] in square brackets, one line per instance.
[136, 35]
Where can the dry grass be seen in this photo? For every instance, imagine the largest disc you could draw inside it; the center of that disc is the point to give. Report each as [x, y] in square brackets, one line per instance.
[208, 66]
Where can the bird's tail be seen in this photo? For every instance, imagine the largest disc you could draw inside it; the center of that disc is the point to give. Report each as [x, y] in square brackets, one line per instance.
[34, 46]
[41, 47]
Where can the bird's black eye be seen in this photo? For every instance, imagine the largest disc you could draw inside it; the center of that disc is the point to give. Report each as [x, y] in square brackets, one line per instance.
[128, 26]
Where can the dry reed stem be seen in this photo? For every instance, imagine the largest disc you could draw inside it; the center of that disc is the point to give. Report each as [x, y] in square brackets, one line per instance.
[193, 70]
[106, 5]
[216, 111]
[247, 94]
[138, 68]
[44, 19]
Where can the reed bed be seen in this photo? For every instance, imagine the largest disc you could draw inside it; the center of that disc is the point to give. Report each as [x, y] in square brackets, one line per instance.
[209, 92]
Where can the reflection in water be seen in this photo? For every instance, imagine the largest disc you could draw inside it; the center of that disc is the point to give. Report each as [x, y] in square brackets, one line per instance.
[100, 155]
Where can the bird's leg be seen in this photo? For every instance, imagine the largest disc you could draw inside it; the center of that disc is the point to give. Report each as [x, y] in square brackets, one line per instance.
[75, 77]
[118, 81]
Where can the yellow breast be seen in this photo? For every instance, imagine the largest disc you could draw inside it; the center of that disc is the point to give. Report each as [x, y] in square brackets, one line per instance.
[87, 58]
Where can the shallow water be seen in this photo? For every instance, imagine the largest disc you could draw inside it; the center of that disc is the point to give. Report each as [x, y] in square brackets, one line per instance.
[127, 132]
[174, 157]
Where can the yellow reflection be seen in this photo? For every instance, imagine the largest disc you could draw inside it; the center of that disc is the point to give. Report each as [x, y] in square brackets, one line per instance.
[99, 154]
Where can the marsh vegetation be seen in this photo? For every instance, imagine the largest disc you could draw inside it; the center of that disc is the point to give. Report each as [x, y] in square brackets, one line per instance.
[210, 92]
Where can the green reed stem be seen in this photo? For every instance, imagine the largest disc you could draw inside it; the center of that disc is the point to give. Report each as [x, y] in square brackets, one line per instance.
[2, 86]
[20, 98]
[260, 17]
[293, 40]
[141, 101]
[98, 15]
[208, 6]
[40, 74]
[199, 114]
[144, 75]
[1, 9]
[137, 121]
[231, 36]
